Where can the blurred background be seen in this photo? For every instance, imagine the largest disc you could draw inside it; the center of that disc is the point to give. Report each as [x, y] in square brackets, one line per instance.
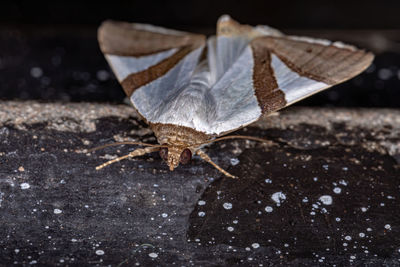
[49, 49]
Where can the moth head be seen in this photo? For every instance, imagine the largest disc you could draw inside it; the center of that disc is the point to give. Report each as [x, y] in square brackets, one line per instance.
[174, 155]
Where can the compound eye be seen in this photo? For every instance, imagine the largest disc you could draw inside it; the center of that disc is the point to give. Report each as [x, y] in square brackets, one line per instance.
[164, 153]
[186, 156]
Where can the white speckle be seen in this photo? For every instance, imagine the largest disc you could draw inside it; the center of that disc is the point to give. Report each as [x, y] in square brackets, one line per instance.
[155, 185]
[343, 182]
[164, 215]
[388, 227]
[315, 179]
[86, 206]
[227, 205]
[390, 197]
[345, 244]
[347, 237]
[268, 181]
[153, 255]
[364, 209]
[234, 161]
[278, 197]
[361, 235]
[338, 219]
[247, 249]
[235, 221]
[385, 74]
[74, 240]
[32, 262]
[325, 166]
[16, 251]
[305, 200]
[102, 75]
[201, 214]
[312, 213]
[352, 257]
[201, 202]
[345, 168]
[286, 245]
[25, 186]
[36, 72]
[99, 252]
[230, 228]
[57, 211]
[369, 229]
[337, 190]
[268, 209]
[255, 245]
[326, 199]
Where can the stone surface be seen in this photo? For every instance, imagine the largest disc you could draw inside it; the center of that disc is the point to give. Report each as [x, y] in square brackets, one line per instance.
[327, 191]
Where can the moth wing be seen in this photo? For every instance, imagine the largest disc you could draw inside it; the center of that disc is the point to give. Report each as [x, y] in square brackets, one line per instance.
[258, 70]
[303, 66]
[150, 59]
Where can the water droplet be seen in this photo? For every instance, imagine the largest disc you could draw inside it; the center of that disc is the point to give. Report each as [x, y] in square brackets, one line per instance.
[57, 211]
[227, 205]
[99, 252]
[153, 255]
[278, 197]
[326, 199]
[337, 190]
[25, 186]
[255, 245]
[268, 209]
[234, 161]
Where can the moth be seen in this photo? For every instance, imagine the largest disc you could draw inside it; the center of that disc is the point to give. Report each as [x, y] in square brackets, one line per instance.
[192, 91]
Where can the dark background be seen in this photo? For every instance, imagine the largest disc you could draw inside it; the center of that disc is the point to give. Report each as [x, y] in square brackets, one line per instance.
[49, 50]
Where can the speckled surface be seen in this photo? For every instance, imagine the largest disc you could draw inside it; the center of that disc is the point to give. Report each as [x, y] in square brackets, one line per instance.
[327, 192]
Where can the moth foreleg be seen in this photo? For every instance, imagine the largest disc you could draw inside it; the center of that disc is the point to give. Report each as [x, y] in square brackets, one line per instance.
[135, 153]
[205, 157]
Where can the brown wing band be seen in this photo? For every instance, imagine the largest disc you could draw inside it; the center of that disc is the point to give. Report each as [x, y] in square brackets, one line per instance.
[139, 79]
[269, 96]
[323, 63]
[123, 39]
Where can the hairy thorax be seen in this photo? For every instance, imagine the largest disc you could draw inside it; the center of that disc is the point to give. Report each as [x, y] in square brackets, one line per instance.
[180, 142]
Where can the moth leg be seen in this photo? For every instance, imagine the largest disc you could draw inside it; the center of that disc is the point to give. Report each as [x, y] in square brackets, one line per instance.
[205, 157]
[135, 153]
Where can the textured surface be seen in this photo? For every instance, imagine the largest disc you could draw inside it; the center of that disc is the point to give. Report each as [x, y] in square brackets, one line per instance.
[327, 192]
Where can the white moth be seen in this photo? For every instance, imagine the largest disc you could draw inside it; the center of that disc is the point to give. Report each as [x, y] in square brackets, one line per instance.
[192, 90]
